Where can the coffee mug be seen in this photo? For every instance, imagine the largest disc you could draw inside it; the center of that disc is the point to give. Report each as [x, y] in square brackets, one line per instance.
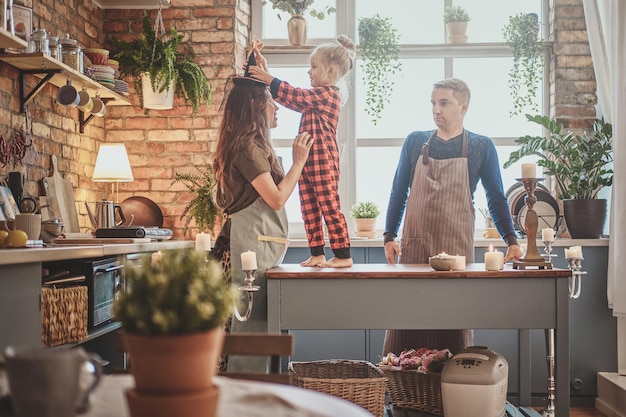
[85, 103]
[68, 95]
[99, 109]
[29, 223]
[47, 382]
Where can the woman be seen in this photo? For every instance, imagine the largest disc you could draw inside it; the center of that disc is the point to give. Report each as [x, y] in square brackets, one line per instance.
[252, 189]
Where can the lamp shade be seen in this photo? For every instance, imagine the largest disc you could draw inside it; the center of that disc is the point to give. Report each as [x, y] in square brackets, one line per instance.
[112, 164]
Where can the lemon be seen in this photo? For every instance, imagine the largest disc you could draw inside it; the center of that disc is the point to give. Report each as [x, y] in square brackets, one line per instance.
[3, 237]
[16, 239]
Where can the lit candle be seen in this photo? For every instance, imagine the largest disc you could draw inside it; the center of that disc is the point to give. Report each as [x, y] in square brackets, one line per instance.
[494, 260]
[156, 257]
[248, 261]
[203, 242]
[459, 263]
[529, 170]
[547, 234]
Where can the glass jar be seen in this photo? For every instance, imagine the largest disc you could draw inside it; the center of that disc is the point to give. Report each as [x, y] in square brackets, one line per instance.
[72, 56]
[56, 48]
[39, 42]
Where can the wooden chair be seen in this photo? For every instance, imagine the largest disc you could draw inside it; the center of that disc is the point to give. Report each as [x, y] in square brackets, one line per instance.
[273, 345]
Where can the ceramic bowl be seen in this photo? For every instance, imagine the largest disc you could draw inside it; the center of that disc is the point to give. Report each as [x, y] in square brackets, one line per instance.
[51, 229]
[442, 263]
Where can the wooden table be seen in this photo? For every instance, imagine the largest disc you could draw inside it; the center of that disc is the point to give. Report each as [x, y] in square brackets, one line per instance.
[382, 296]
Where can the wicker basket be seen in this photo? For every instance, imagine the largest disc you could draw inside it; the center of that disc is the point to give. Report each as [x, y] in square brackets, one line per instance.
[63, 315]
[357, 381]
[414, 390]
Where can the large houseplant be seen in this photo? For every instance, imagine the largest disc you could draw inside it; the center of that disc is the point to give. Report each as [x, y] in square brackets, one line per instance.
[172, 314]
[521, 34]
[378, 48]
[202, 208]
[455, 19]
[580, 165]
[167, 62]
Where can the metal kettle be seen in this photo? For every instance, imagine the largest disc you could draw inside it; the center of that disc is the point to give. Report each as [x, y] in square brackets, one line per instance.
[104, 217]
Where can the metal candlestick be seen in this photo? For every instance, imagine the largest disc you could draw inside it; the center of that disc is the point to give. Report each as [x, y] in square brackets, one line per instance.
[547, 246]
[250, 289]
[576, 266]
[531, 225]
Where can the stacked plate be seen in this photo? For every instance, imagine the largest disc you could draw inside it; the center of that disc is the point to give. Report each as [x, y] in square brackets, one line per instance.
[105, 75]
[121, 87]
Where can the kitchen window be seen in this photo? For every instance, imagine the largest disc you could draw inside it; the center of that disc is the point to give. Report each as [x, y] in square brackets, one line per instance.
[369, 153]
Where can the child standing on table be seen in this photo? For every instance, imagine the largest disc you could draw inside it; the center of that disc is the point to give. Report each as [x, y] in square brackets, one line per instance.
[319, 183]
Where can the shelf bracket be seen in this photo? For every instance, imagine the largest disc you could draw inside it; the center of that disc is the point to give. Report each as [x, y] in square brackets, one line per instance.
[25, 97]
[83, 121]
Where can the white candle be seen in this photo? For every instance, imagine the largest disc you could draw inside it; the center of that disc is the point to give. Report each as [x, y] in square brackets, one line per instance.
[459, 263]
[578, 251]
[203, 242]
[156, 257]
[248, 261]
[529, 170]
[494, 261]
[547, 234]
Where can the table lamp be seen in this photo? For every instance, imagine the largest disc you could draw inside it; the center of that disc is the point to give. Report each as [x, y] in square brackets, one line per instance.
[112, 165]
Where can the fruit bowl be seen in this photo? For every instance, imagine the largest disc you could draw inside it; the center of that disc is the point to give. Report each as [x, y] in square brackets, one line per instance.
[442, 262]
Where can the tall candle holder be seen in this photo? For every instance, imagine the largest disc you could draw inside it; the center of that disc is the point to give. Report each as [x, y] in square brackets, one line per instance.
[547, 247]
[250, 289]
[531, 225]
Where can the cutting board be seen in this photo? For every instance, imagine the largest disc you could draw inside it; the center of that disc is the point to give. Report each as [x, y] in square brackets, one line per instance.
[61, 189]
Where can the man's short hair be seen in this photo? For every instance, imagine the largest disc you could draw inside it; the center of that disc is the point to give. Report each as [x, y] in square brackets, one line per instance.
[460, 90]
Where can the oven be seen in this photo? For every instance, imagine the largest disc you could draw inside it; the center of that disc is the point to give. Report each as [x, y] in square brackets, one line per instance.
[103, 277]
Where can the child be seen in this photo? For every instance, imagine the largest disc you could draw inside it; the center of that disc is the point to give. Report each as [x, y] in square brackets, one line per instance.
[319, 183]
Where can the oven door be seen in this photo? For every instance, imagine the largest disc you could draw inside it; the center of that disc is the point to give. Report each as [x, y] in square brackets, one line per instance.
[106, 281]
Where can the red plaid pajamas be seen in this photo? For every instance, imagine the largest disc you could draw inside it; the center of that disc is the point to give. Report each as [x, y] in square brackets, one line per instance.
[319, 183]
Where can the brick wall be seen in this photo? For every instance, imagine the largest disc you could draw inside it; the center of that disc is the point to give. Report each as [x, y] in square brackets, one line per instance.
[161, 143]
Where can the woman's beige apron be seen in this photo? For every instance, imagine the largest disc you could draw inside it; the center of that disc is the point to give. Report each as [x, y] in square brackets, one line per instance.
[261, 229]
[439, 218]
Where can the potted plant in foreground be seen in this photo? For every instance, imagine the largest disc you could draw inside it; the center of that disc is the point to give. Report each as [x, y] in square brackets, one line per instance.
[172, 314]
[164, 62]
[364, 214]
[455, 19]
[579, 164]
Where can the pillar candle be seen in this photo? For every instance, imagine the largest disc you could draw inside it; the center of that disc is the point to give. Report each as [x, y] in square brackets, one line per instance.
[248, 261]
[529, 170]
[494, 261]
[203, 242]
[156, 257]
[547, 235]
[578, 251]
[459, 263]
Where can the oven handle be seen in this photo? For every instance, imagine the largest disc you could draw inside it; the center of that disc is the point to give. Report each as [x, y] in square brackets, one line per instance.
[104, 270]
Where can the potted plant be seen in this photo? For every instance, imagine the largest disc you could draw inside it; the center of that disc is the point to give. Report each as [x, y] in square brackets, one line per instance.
[579, 164]
[364, 214]
[202, 208]
[521, 34]
[172, 314]
[166, 62]
[297, 25]
[378, 47]
[455, 19]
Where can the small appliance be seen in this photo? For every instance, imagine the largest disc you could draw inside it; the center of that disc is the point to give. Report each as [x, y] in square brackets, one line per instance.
[474, 383]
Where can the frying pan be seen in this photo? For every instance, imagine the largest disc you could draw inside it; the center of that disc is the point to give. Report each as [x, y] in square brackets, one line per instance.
[145, 211]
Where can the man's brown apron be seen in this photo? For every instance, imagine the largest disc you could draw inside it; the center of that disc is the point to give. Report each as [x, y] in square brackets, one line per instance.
[439, 218]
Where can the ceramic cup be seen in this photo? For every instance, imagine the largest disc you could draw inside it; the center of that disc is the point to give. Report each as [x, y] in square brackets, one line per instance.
[85, 103]
[491, 233]
[51, 382]
[29, 223]
[99, 108]
[68, 95]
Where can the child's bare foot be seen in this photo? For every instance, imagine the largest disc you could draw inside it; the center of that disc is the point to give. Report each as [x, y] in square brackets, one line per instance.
[314, 261]
[337, 263]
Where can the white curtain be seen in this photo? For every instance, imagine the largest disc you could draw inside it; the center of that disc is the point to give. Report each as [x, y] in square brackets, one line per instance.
[607, 39]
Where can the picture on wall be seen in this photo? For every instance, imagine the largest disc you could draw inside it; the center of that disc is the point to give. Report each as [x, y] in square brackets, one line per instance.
[23, 21]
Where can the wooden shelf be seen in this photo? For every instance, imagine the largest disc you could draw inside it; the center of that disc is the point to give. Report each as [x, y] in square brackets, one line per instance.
[41, 65]
[11, 41]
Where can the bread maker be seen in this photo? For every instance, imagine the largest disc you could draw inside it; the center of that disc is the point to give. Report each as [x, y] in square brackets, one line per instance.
[474, 383]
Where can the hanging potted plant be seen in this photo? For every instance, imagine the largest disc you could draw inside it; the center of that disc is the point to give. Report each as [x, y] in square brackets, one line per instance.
[172, 314]
[297, 25]
[455, 19]
[164, 64]
[378, 48]
[579, 164]
[202, 208]
[521, 34]
[364, 214]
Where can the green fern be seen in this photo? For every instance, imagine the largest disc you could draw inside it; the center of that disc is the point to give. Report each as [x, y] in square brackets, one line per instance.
[202, 208]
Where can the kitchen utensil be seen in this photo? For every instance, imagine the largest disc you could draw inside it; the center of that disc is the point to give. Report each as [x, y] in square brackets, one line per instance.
[61, 189]
[85, 103]
[104, 216]
[99, 108]
[15, 181]
[68, 95]
[145, 211]
[51, 229]
[27, 204]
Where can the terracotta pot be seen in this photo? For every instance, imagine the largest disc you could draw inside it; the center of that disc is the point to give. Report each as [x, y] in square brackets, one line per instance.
[174, 364]
[297, 28]
[365, 228]
[585, 218]
[456, 32]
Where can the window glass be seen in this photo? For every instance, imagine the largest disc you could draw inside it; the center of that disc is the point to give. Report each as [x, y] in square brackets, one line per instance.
[289, 120]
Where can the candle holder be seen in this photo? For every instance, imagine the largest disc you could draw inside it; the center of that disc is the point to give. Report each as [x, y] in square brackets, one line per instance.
[250, 289]
[547, 247]
[531, 225]
[575, 287]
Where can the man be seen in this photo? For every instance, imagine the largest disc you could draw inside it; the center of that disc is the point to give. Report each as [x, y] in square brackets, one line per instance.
[436, 178]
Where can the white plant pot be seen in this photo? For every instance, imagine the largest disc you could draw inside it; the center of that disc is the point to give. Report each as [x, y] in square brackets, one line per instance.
[155, 100]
